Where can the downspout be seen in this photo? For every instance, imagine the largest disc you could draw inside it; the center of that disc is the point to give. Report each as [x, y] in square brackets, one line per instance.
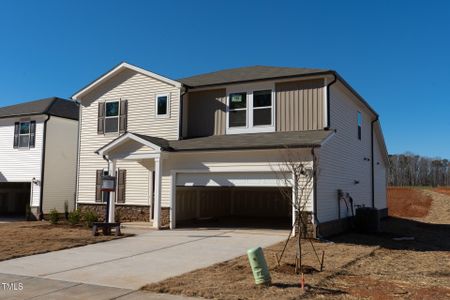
[316, 219]
[75, 204]
[328, 100]
[184, 91]
[44, 142]
[372, 160]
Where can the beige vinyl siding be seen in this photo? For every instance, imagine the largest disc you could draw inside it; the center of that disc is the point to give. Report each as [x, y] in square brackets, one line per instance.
[380, 175]
[300, 105]
[206, 113]
[140, 91]
[60, 164]
[342, 158]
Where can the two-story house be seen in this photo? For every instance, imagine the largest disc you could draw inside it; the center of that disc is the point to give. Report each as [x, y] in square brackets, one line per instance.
[38, 153]
[212, 146]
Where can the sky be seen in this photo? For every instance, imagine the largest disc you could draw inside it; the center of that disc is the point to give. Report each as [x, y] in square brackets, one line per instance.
[396, 54]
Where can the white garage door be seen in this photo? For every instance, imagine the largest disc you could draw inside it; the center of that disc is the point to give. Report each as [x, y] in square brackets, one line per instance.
[247, 179]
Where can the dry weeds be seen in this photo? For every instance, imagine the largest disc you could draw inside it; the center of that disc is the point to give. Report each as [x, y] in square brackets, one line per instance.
[356, 265]
[27, 238]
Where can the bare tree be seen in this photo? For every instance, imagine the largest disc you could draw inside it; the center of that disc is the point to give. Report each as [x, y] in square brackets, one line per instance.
[298, 171]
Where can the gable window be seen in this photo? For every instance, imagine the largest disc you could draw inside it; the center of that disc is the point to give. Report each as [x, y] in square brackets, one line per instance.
[162, 106]
[112, 116]
[359, 125]
[24, 134]
[250, 109]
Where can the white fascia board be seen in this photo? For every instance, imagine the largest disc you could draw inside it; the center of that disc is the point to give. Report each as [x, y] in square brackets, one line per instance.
[119, 68]
[124, 138]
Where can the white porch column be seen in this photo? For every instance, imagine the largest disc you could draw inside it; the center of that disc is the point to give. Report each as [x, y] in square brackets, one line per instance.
[157, 202]
[112, 195]
[173, 197]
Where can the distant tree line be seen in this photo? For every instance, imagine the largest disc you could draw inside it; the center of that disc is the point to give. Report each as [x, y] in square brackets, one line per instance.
[413, 170]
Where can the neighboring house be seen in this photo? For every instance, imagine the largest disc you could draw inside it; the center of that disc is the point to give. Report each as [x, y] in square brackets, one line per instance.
[208, 146]
[38, 153]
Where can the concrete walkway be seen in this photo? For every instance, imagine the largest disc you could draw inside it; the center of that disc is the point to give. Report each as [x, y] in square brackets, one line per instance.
[130, 263]
[23, 287]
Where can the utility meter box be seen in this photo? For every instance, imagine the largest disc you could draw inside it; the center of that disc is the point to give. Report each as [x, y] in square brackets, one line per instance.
[108, 183]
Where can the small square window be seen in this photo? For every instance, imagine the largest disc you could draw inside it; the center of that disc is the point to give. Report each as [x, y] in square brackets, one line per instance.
[262, 98]
[238, 100]
[162, 105]
[112, 109]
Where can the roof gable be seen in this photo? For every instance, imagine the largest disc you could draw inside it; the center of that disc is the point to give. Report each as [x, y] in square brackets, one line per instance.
[122, 66]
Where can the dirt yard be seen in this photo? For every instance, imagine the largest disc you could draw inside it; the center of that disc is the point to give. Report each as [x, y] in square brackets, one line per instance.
[27, 238]
[356, 265]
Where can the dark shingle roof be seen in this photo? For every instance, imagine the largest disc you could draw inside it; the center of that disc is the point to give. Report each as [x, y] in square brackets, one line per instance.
[51, 106]
[163, 143]
[244, 74]
[270, 140]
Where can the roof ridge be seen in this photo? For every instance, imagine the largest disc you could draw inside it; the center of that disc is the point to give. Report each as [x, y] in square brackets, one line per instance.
[54, 99]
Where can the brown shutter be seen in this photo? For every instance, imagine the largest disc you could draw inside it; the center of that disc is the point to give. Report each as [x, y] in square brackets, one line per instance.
[121, 179]
[98, 186]
[101, 118]
[32, 133]
[16, 135]
[123, 116]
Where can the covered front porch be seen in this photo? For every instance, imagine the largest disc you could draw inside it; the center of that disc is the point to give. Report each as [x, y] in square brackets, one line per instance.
[147, 155]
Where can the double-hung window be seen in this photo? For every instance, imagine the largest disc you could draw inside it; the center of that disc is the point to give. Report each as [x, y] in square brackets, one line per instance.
[237, 110]
[250, 109]
[112, 116]
[262, 108]
[24, 135]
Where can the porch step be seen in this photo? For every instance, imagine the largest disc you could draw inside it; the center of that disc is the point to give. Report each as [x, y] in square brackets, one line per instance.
[137, 225]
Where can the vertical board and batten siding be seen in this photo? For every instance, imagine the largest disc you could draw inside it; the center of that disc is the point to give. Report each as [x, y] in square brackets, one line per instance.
[206, 113]
[380, 175]
[300, 105]
[341, 159]
[60, 164]
[21, 165]
[140, 91]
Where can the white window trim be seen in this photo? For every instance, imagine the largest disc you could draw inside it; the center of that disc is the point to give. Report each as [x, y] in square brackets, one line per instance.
[167, 114]
[118, 118]
[24, 134]
[249, 89]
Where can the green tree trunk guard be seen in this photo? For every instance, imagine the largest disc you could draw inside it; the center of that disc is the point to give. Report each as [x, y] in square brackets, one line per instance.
[259, 266]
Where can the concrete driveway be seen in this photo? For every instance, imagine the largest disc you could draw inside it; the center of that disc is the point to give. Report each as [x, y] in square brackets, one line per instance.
[148, 257]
